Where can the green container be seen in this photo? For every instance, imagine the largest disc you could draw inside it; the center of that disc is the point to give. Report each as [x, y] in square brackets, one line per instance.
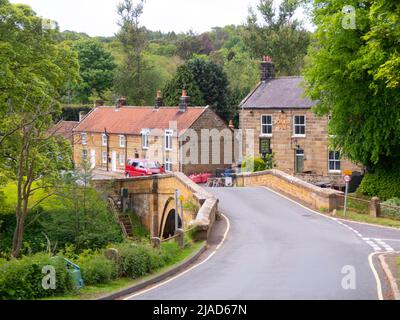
[76, 274]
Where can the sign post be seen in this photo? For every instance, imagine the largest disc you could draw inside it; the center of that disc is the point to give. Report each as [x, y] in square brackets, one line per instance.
[347, 179]
[177, 194]
[181, 199]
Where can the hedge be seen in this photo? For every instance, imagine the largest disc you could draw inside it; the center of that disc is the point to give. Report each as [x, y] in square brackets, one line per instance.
[21, 279]
[382, 184]
[97, 269]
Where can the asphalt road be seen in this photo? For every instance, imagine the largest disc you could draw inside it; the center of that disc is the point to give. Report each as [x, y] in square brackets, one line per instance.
[276, 249]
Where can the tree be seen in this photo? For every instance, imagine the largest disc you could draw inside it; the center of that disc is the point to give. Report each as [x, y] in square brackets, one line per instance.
[35, 69]
[97, 67]
[206, 83]
[279, 36]
[132, 75]
[351, 72]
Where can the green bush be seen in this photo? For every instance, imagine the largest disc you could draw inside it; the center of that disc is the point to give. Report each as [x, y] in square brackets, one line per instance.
[22, 279]
[97, 269]
[391, 212]
[382, 184]
[137, 260]
[259, 164]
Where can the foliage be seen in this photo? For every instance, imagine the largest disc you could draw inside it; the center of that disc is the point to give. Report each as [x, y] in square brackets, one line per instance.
[351, 72]
[381, 183]
[206, 83]
[96, 269]
[97, 67]
[22, 278]
[251, 164]
[270, 162]
[387, 209]
[279, 35]
[71, 113]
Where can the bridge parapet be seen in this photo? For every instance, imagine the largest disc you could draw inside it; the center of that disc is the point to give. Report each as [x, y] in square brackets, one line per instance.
[307, 193]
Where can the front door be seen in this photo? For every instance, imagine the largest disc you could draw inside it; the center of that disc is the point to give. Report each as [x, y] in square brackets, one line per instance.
[93, 158]
[114, 161]
[299, 160]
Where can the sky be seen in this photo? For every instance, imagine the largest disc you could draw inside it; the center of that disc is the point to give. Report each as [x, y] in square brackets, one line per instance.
[99, 17]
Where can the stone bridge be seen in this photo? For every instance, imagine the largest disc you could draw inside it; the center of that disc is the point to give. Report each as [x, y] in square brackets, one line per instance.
[152, 199]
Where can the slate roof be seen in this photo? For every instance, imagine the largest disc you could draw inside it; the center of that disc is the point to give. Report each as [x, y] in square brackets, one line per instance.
[279, 93]
[132, 120]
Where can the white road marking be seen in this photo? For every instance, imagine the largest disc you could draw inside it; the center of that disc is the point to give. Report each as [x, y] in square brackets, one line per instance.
[342, 222]
[187, 270]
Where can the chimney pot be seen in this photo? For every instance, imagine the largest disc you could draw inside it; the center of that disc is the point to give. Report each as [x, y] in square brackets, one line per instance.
[231, 126]
[159, 100]
[121, 102]
[184, 101]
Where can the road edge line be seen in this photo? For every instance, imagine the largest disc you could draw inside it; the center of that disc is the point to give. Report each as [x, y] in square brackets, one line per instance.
[189, 269]
[392, 280]
[370, 261]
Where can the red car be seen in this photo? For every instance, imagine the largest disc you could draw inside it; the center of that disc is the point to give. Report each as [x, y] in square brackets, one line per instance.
[142, 167]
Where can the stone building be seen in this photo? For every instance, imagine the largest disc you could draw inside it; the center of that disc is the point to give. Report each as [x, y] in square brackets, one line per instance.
[285, 125]
[109, 136]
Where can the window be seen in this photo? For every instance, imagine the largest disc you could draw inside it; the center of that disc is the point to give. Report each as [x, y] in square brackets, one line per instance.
[168, 139]
[168, 165]
[299, 128]
[104, 140]
[334, 161]
[299, 161]
[145, 138]
[266, 125]
[122, 159]
[104, 157]
[84, 154]
[84, 139]
[122, 141]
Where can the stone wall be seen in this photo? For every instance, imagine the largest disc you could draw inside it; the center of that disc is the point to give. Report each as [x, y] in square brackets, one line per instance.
[304, 192]
[153, 197]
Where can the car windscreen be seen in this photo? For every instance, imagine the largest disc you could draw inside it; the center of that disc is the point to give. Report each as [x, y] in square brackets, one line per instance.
[152, 165]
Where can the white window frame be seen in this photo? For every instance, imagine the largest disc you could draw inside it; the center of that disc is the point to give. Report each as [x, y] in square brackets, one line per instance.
[335, 161]
[266, 125]
[104, 158]
[83, 154]
[168, 165]
[84, 138]
[122, 141]
[302, 135]
[145, 138]
[104, 140]
[122, 158]
[168, 139]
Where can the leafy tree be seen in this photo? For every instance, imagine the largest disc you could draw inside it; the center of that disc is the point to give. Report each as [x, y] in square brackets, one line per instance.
[133, 75]
[84, 219]
[205, 81]
[97, 67]
[188, 45]
[34, 70]
[350, 72]
[279, 36]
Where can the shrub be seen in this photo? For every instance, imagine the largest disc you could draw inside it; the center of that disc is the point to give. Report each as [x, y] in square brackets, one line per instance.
[391, 212]
[381, 183]
[137, 260]
[259, 164]
[97, 269]
[22, 279]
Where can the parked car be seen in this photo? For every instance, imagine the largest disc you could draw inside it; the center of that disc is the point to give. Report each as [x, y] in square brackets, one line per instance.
[142, 167]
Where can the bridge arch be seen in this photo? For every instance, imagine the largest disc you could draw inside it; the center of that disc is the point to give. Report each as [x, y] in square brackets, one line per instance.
[167, 226]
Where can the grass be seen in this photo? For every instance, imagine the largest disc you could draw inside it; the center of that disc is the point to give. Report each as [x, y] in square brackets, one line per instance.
[351, 215]
[96, 291]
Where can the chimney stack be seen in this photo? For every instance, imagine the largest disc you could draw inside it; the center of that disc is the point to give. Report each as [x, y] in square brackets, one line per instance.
[183, 101]
[121, 102]
[267, 69]
[231, 125]
[159, 100]
[82, 115]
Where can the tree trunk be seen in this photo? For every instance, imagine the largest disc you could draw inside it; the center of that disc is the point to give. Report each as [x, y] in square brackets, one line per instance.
[18, 236]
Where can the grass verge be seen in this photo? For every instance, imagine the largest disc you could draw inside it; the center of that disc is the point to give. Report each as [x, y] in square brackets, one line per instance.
[354, 216]
[96, 291]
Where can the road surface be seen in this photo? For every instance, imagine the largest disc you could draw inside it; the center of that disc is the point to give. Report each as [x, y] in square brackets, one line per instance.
[277, 249]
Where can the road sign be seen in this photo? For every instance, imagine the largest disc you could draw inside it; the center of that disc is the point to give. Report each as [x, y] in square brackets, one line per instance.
[347, 172]
[347, 178]
[181, 198]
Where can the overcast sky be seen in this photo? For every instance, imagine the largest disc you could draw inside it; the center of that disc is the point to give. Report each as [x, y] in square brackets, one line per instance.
[98, 17]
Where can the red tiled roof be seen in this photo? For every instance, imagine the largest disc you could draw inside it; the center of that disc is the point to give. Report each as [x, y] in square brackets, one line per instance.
[131, 120]
[64, 128]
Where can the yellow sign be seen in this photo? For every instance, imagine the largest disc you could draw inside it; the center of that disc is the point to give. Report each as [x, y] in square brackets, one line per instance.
[347, 172]
[181, 198]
